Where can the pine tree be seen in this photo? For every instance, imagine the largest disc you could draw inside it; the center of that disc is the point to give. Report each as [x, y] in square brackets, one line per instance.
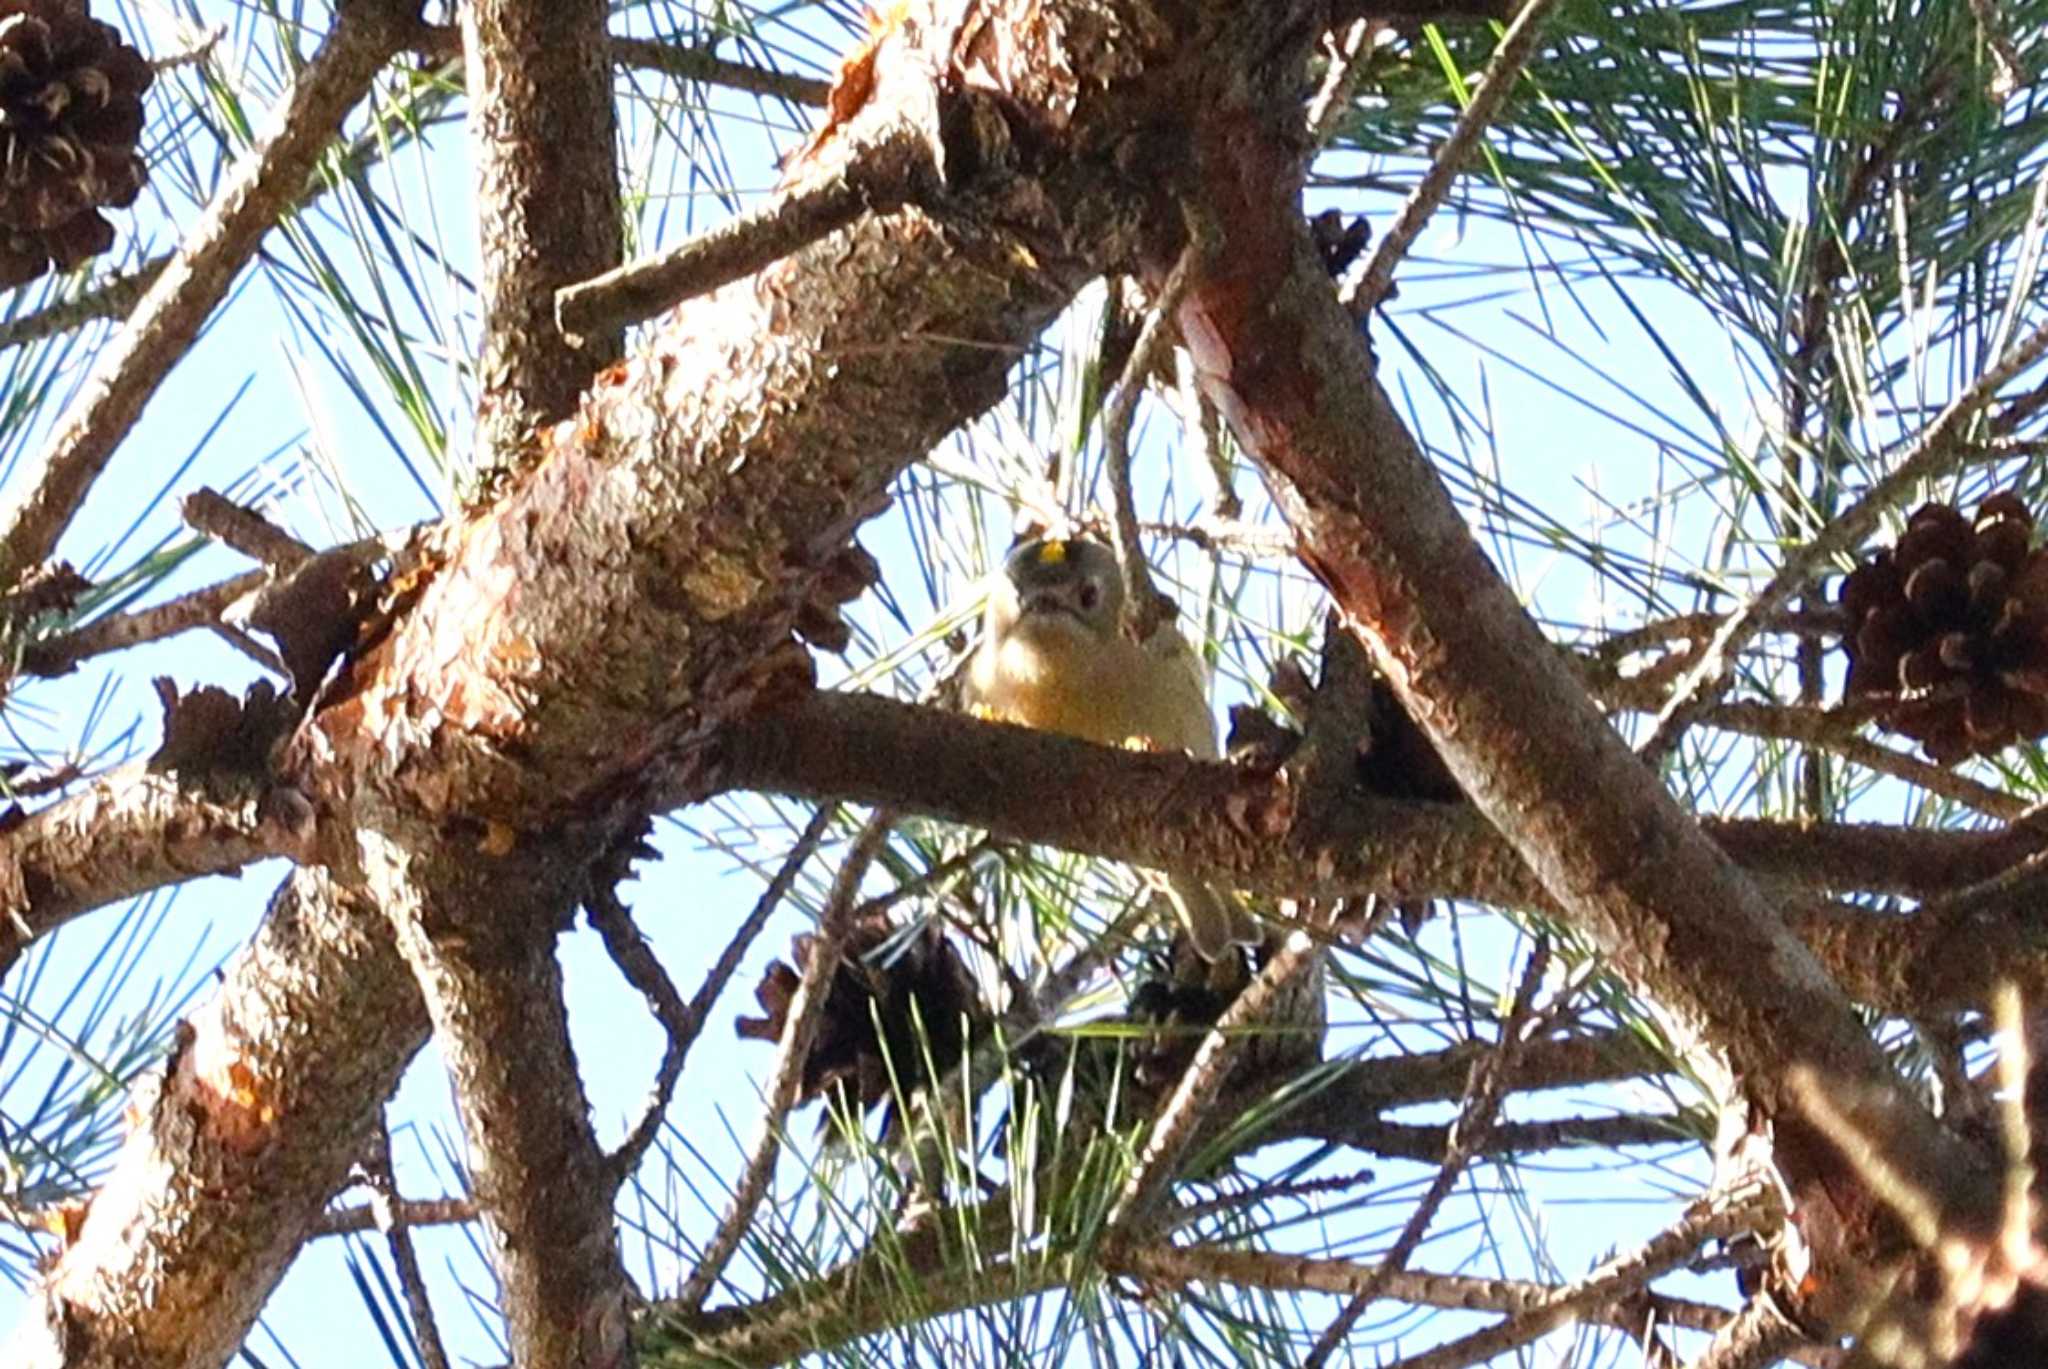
[516, 486]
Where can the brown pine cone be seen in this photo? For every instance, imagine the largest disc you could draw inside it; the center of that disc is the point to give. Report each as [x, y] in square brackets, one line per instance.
[1948, 631]
[912, 982]
[70, 118]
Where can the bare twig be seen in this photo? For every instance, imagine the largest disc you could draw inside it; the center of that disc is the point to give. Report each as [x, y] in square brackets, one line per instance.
[1144, 607]
[128, 370]
[1929, 455]
[443, 43]
[388, 1213]
[1618, 1277]
[1231, 534]
[1517, 45]
[201, 608]
[244, 529]
[639, 290]
[110, 298]
[1175, 1266]
[1476, 1116]
[695, 64]
[642, 969]
[1700, 627]
[1431, 1144]
[1173, 1128]
[250, 647]
[1202, 434]
[806, 1012]
[684, 1022]
[1835, 729]
[198, 50]
[118, 631]
[406, 1211]
[1346, 51]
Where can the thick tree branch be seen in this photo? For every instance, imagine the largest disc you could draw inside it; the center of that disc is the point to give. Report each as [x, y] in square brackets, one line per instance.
[480, 938]
[182, 297]
[543, 131]
[1673, 914]
[480, 933]
[1244, 829]
[125, 833]
[133, 831]
[271, 1094]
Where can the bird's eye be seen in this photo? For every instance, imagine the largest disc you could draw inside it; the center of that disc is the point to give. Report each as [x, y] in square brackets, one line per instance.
[1090, 596]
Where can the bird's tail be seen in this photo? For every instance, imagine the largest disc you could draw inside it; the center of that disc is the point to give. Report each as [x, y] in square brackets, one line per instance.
[1215, 920]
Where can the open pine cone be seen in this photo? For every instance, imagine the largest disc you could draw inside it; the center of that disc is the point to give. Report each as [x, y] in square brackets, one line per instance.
[1948, 631]
[70, 117]
[911, 984]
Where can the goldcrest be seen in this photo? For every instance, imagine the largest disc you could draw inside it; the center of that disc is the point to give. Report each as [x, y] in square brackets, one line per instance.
[1053, 656]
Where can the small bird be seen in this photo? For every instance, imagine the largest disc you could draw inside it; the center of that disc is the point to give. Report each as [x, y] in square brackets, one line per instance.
[1053, 656]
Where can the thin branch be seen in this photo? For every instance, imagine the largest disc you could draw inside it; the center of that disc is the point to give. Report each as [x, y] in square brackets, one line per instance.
[1178, 1266]
[201, 608]
[110, 298]
[1831, 729]
[119, 631]
[640, 967]
[262, 184]
[638, 290]
[1605, 1285]
[695, 64]
[244, 529]
[683, 1023]
[1477, 1113]
[1611, 650]
[1173, 1129]
[250, 647]
[1202, 438]
[1503, 69]
[388, 1212]
[404, 1211]
[1347, 51]
[1143, 607]
[1929, 455]
[443, 43]
[1431, 1144]
[806, 1013]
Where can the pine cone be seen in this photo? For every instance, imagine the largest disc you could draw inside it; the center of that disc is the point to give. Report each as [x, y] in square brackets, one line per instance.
[913, 984]
[1184, 1003]
[70, 117]
[1948, 631]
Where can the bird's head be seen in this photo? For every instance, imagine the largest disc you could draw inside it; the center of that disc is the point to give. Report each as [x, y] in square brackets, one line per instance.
[1054, 584]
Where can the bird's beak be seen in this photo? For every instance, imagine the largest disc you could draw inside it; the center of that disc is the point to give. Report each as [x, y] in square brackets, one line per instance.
[1050, 601]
